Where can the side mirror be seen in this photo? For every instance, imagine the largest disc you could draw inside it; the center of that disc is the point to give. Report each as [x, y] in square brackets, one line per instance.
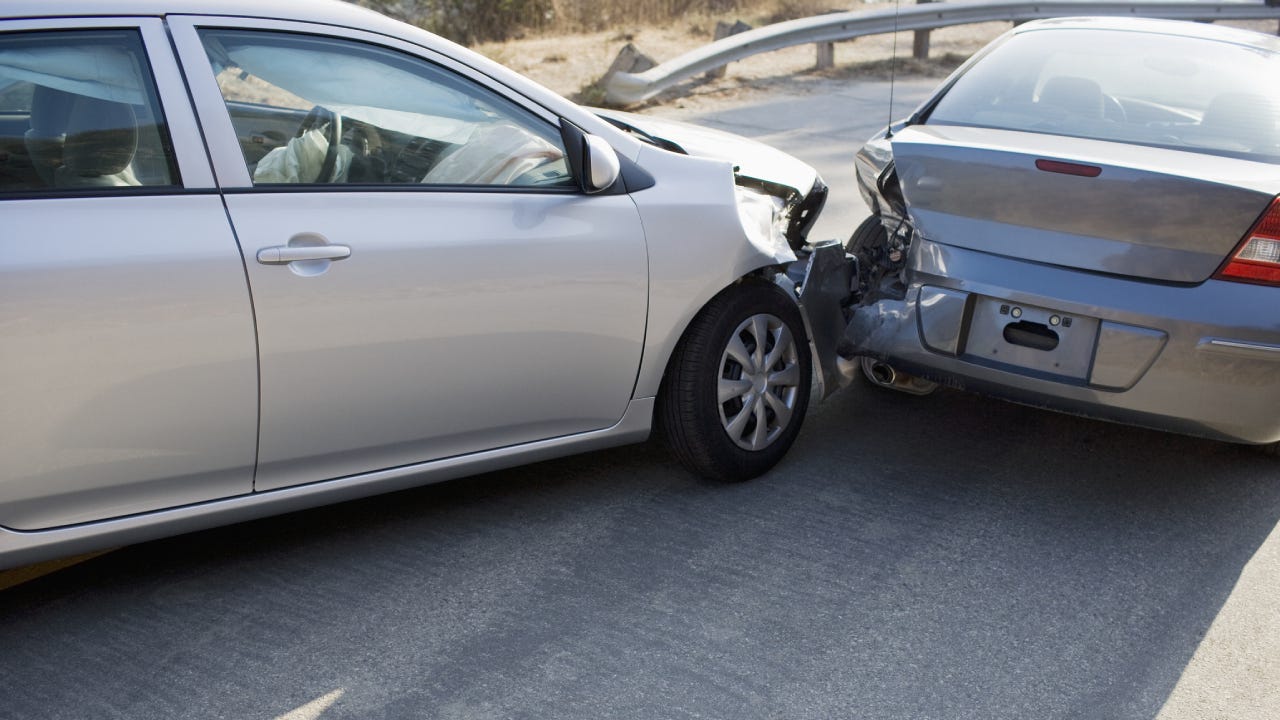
[602, 165]
[592, 159]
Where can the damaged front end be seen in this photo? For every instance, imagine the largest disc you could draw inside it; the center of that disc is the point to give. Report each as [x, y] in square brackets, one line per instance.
[779, 199]
[854, 296]
[821, 278]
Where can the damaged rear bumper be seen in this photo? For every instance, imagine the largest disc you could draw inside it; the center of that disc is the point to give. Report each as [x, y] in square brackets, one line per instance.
[1099, 346]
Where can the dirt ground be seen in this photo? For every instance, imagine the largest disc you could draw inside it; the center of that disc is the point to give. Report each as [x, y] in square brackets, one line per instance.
[570, 64]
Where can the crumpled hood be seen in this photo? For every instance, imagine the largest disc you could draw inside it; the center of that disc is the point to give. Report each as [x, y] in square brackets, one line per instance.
[752, 160]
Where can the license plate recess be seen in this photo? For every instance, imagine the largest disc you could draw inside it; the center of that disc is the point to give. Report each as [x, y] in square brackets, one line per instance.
[1030, 337]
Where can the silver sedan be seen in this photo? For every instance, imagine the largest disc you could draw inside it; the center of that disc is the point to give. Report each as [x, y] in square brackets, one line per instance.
[1084, 217]
[258, 256]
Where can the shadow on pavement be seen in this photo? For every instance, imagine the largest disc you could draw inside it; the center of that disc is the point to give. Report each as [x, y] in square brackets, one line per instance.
[940, 557]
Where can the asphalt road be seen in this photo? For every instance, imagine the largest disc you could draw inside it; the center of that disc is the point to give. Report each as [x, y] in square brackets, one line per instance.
[913, 558]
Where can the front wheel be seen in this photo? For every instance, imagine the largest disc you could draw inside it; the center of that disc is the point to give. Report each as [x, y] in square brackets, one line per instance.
[737, 387]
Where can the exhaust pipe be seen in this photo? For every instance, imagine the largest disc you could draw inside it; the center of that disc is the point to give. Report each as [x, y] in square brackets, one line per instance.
[884, 375]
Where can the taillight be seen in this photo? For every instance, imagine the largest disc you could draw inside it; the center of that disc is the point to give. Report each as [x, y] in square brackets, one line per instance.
[1257, 258]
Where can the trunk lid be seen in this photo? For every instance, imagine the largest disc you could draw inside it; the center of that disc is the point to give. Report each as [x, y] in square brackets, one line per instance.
[1138, 211]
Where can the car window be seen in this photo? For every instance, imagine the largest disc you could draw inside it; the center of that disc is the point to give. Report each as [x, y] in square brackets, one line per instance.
[78, 112]
[15, 100]
[314, 110]
[1144, 88]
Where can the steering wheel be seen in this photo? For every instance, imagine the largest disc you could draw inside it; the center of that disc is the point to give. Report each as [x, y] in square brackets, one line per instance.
[331, 121]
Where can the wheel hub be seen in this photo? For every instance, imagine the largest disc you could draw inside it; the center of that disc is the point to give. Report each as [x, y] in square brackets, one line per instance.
[758, 382]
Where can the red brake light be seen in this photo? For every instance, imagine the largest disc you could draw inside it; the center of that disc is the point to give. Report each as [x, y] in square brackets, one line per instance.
[1068, 168]
[1257, 258]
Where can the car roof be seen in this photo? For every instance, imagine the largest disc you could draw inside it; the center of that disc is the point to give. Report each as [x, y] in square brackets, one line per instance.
[1180, 28]
[330, 12]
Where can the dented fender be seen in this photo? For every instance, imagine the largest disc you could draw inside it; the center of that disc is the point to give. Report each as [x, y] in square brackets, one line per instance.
[687, 269]
[686, 274]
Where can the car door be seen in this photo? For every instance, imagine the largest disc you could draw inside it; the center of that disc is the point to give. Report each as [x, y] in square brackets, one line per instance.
[428, 281]
[128, 378]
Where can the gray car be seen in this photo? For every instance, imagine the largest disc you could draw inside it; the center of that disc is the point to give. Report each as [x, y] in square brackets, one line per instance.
[1084, 217]
[258, 256]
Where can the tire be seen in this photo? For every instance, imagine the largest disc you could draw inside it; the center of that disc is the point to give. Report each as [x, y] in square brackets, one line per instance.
[870, 233]
[1272, 449]
[749, 431]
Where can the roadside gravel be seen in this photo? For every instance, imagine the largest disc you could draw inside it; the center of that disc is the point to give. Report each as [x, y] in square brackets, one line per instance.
[569, 64]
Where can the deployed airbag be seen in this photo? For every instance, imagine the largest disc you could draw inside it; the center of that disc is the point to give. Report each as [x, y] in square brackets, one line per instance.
[105, 72]
[495, 154]
[300, 161]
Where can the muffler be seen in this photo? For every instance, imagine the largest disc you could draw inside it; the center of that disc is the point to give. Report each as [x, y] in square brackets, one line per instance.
[884, 375]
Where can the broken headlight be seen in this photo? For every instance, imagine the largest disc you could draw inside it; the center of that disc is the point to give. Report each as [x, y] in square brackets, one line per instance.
[765, 220]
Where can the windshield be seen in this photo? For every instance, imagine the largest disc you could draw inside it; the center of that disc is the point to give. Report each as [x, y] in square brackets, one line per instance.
[1133, 87]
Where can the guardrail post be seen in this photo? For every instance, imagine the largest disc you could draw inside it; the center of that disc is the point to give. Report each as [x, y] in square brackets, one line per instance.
[920, 45]
[724, 30]
[629, 60]
[826, 55]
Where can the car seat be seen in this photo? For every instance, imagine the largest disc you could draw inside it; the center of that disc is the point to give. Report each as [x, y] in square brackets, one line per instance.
[50, 110]
[1076, 95]
[102, 137]
[1238, 121]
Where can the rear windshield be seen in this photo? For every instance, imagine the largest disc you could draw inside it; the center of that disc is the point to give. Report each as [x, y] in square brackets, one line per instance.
[1143, 88]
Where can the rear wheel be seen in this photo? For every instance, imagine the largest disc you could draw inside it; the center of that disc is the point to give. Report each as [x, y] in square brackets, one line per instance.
[869, 234]
[737, 387]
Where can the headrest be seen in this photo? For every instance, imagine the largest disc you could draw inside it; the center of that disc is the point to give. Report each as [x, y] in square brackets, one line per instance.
[1073, 94]
[50, 109]
[1245, 118]
[102, 137]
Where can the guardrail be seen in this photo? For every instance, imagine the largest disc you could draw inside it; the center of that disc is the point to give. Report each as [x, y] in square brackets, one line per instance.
[623, 88]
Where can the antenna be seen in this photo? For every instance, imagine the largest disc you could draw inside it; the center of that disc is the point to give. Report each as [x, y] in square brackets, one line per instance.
[893, 67]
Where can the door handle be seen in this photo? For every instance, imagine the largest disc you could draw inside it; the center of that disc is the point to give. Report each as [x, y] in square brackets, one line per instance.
[285, 254]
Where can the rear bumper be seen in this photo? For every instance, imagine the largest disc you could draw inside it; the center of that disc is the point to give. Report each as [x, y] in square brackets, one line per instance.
[1201, 360]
